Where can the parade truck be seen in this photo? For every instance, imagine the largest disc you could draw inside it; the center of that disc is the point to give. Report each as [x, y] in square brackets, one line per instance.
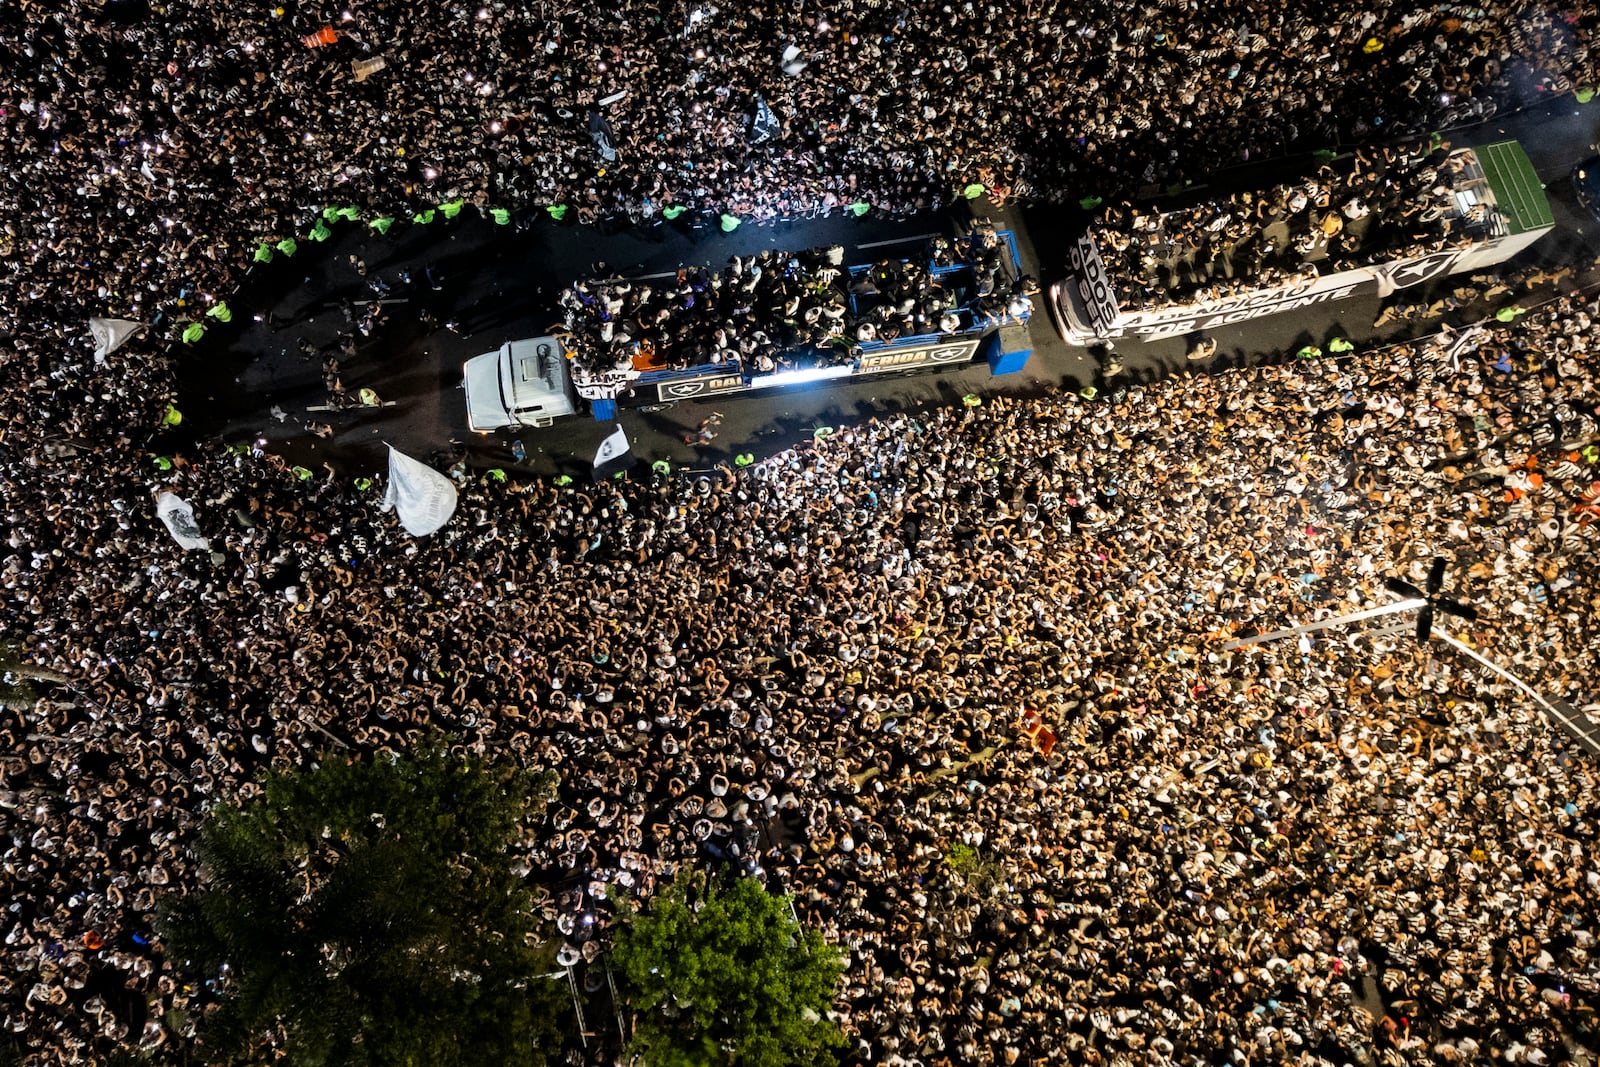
[523, 383]
[1497, 207]
[970, 334]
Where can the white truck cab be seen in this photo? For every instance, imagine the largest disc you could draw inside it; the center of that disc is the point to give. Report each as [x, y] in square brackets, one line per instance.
[524, 383]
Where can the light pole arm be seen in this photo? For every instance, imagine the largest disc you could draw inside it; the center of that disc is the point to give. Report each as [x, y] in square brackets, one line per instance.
[1387, 609]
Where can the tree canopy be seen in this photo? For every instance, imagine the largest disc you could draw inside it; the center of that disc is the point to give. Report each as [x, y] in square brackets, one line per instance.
[367, 911]
[721, 973]
[17, 678]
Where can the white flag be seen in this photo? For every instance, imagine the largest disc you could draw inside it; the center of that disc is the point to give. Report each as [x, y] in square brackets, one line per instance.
[110, 335]
[178, 516]
[792, 60]
[1464, 342]
[612, 455]
[424, 498]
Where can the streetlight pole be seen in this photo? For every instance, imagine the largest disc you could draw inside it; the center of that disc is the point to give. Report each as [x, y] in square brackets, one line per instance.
[1312, 627]
[1582, 727]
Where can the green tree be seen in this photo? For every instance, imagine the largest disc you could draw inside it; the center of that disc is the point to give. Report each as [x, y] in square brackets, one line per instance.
[17, 678]
[722, 974]
[368, 911]
[980, 875]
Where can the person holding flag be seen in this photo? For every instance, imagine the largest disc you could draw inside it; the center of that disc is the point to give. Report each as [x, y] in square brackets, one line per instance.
[423, 498]
[613, 456]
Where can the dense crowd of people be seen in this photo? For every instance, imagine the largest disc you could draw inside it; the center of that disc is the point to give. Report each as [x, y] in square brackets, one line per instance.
[153, 145]
[953, 678]
[1377, 205]
[776, 309]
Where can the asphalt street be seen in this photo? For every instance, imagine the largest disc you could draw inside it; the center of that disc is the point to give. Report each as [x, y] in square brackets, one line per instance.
[260, 379]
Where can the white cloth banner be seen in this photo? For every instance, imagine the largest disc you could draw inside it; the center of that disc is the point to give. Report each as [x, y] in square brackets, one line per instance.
[110, 335]
[424, 498]
[178, 517]
[792, 60]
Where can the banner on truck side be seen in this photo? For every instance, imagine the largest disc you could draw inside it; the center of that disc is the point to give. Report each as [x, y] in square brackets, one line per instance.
[1099, 301]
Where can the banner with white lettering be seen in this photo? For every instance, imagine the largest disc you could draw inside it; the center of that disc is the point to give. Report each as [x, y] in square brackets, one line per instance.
[1106, 318]
[764, 125]
[1094, 285]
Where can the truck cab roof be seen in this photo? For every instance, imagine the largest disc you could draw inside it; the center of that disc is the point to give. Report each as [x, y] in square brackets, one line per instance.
[523, 383]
